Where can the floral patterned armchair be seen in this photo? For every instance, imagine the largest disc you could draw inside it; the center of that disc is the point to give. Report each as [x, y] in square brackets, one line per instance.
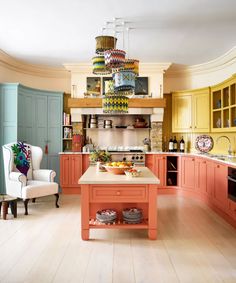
[23, 177]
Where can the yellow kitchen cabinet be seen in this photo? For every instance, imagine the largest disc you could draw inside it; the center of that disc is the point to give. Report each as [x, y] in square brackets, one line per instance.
[223, 106]
[190, 111]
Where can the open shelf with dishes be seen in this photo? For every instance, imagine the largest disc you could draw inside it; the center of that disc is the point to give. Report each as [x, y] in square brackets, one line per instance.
[223, 106]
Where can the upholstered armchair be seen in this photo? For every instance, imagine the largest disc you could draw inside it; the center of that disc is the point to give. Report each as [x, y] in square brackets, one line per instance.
[23, 177]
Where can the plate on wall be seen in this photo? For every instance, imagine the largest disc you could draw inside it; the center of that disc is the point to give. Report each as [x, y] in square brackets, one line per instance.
[204, 143]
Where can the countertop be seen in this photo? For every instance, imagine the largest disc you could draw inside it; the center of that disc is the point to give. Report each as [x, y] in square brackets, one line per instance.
[91, 176]
[225, 159]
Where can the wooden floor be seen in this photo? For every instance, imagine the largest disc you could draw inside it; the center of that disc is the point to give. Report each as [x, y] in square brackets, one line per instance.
[194, 245]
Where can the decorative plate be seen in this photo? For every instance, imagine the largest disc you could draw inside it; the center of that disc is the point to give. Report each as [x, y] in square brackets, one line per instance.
[204, 143]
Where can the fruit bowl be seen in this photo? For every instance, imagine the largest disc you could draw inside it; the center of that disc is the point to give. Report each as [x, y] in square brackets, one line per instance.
[133, 172]
[116, 169]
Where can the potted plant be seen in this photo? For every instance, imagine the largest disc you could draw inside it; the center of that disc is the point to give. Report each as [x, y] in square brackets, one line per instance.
[100, 156]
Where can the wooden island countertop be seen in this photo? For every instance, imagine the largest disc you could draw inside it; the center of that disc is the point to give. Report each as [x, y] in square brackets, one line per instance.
[91, 176]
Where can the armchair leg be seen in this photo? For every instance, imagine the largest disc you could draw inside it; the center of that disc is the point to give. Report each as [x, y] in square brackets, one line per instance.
[26, 206]
[33, 200]
[57, 198]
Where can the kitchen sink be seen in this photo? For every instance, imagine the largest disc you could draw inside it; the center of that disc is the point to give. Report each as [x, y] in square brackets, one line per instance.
[222, 157]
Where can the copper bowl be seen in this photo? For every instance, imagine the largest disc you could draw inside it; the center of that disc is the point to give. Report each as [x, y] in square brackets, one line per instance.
[117, 170]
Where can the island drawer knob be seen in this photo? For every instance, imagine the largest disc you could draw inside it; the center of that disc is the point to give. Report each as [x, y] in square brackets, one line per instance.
[118, 193]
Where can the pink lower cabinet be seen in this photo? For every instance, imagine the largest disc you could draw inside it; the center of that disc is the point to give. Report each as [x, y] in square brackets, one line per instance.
[232, 208]
[188, 172]
[220, 188]
[157, 164]
[70, 171]
[201, 175]
[159, 169]
[118, 197]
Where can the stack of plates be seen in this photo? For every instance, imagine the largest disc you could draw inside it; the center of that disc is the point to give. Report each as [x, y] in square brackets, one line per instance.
[106, 216]
[132, 215]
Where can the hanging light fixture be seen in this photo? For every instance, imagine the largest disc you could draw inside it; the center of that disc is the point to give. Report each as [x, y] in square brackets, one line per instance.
[115, 104]
[105, 42]
[111, 59]
[99, 67]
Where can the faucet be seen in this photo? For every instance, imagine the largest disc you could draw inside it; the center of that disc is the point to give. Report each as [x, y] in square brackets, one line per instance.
[229, 149]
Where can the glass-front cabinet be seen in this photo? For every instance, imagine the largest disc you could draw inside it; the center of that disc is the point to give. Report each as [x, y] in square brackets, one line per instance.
[223, 106]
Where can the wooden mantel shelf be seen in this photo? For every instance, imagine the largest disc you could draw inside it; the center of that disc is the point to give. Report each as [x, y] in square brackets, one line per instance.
[133, 102]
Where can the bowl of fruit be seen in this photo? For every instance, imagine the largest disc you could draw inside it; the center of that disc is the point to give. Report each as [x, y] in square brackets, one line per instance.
[133, 172]
[118, 167]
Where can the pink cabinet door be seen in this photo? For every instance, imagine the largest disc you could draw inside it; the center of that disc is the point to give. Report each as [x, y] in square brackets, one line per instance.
[201, 175]
[64, 170]
[220, 189]
[85, 162]
[159, 169]
[75, 169]
[149, 161]
[188, 172]
[232, 209]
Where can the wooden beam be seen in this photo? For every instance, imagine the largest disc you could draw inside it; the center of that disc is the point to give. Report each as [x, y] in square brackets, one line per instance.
[133, 102]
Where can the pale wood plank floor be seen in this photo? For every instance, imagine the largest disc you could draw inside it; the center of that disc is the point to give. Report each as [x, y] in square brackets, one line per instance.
[194, 245]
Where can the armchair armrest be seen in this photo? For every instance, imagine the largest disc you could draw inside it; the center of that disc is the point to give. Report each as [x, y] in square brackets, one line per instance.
[44, 175]
[18, 177]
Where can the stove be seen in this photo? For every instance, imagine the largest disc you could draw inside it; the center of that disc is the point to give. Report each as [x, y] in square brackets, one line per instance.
[138, 158]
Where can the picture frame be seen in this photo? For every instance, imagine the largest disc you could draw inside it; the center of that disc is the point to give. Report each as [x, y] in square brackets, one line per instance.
[141, 86]
[104, 79]
[94, 86]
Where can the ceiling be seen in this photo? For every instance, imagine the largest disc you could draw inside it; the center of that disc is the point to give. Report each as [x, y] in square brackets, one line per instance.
[63, 31]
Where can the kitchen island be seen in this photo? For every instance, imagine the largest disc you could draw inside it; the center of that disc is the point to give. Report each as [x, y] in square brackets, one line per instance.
[103, 190]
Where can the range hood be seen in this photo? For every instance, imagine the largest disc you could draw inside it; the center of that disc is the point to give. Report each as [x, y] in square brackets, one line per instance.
[137, 106]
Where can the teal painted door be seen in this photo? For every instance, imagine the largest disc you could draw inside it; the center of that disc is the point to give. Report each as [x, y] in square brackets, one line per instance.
[41, 123]
[54, 132]
[8, 122]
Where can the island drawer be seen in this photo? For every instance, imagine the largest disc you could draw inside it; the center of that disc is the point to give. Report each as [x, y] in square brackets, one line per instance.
[119, 193]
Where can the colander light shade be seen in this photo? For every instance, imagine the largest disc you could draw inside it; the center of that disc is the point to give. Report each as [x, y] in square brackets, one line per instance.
[114, 58]
[99, 67]
[105, 42]
[116, 104]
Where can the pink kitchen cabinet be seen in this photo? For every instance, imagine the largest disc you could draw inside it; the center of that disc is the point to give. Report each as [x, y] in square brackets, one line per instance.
[200, 175]
[220, 188]
[188, 172]
[160, 169]
[70, 172]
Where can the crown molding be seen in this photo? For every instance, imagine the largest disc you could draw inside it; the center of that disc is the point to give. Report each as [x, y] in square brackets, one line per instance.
[87, 68]
[219, 63]
[34, 70]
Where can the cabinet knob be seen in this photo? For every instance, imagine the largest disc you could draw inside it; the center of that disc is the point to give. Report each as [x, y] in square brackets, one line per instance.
[218, 166]
[195, 127]
[190, 127]
[204, 162]
[163, 158]
[118, 193]
[193, 159]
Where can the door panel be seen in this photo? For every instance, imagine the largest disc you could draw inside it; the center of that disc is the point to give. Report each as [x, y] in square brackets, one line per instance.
[201, 105]
[220, 192]
[76, 169]
[188, 172]
[40, 136]
[182, 113]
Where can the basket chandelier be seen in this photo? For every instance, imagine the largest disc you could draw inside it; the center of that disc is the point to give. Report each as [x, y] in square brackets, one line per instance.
[111, 60]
